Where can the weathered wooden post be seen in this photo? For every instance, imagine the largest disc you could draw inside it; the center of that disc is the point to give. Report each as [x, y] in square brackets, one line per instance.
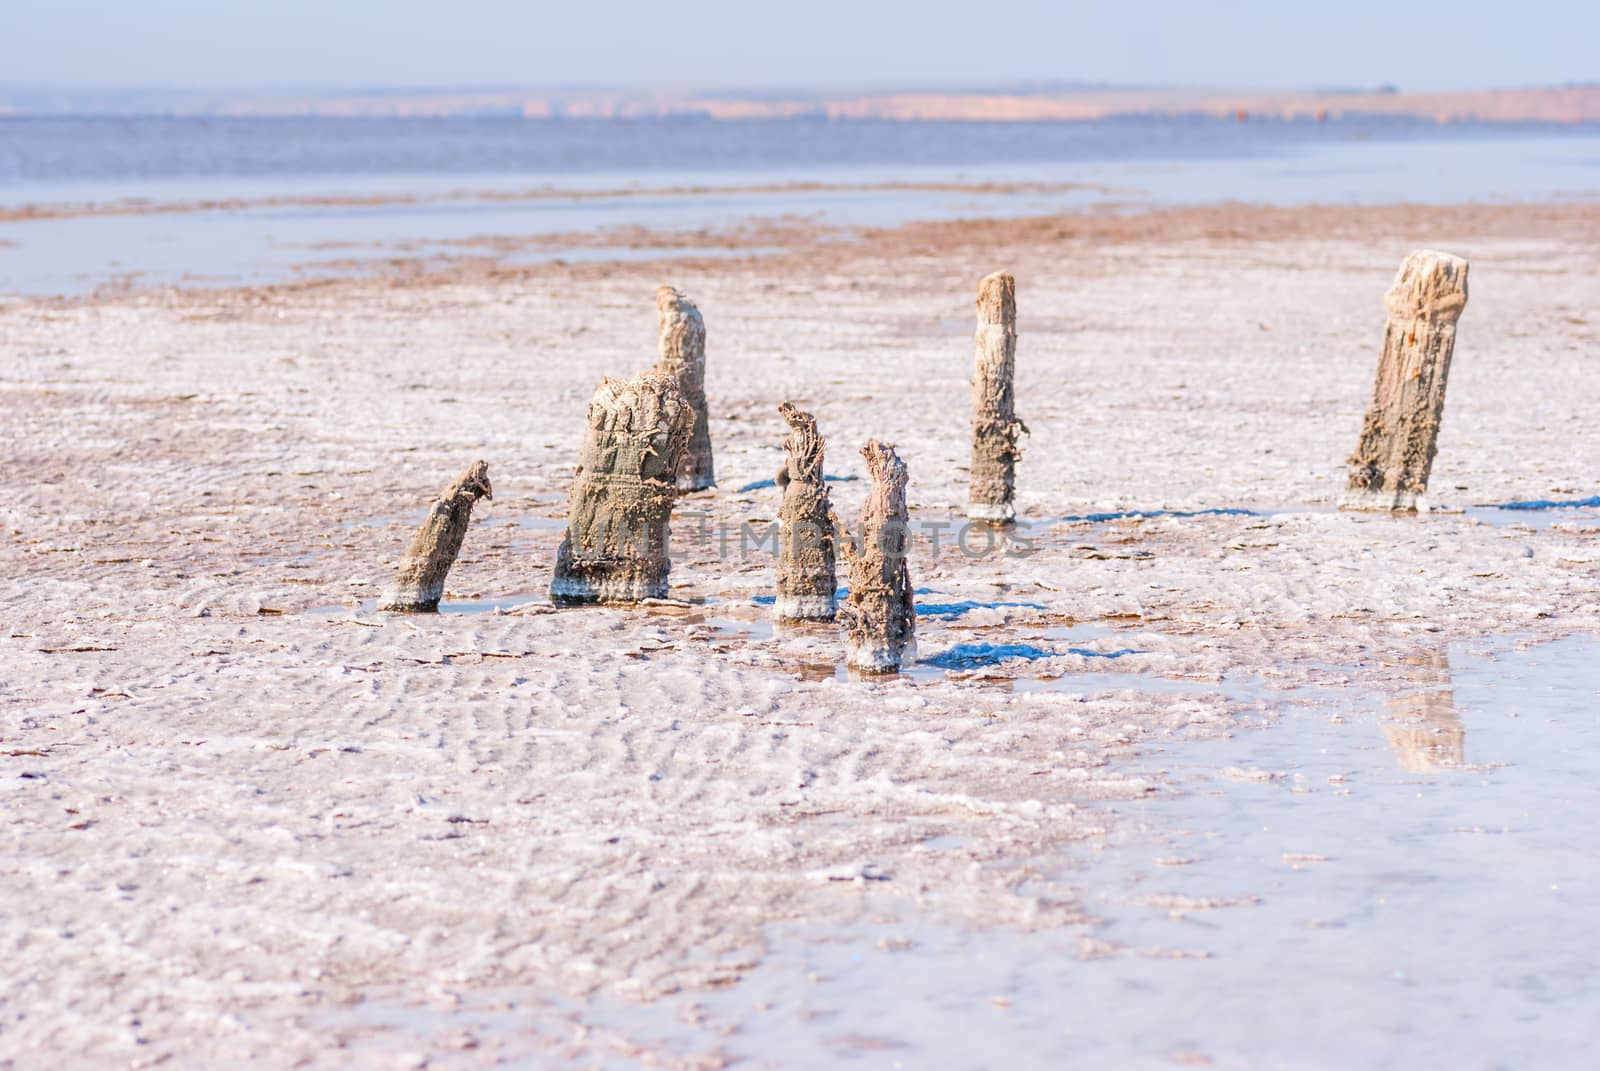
[1389, 470]
[419, 585]
[995, 427]
[878, 617]
[681, 349]
[806, 579]
[620, 509]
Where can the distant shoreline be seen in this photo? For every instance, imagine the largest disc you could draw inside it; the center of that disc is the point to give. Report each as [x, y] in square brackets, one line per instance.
[1563, 104]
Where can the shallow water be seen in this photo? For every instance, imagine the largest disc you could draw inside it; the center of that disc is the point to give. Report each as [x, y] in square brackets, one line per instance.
[1357, 885]
[680, 177]
[1539, 513]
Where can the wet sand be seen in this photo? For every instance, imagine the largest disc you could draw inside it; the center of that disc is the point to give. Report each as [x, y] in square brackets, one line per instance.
[249, 819]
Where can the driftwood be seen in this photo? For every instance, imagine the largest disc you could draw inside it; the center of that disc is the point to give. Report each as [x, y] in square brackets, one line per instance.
[878, 617]
[806, 579]
[995, 427]
[419, 585]
[1390, 467]
[620, 510]
[681, 349]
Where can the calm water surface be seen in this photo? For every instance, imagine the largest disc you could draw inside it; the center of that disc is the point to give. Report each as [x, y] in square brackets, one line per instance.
[446, 166]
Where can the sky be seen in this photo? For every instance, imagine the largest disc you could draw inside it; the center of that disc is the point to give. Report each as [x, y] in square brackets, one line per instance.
[228, 44]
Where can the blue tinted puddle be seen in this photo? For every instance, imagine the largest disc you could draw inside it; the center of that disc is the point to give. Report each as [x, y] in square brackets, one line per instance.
[761, 484]
[1539, 513]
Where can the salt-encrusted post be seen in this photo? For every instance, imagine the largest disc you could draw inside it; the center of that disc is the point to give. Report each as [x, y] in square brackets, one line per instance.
[806, 580]
[1389, 470]
[681, 346]
[620, 509]
[995, 427]
[878, 617]
[419, 585]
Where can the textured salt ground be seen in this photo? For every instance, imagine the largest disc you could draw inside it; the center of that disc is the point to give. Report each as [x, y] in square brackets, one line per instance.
[230, 821]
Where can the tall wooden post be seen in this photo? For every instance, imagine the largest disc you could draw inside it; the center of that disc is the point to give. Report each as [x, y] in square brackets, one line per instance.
[681, 349]
[620, 510]
[995, 427]
[1390, 467]
[806, 556]
[878, 617]
[419, 585]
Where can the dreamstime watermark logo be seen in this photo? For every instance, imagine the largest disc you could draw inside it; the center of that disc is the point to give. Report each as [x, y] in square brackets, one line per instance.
[745, 540]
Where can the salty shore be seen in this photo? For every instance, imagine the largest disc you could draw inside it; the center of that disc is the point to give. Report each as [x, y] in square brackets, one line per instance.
[243, 810]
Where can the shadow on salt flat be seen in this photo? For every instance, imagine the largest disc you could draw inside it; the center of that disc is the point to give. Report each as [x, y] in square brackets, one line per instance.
[760, 484]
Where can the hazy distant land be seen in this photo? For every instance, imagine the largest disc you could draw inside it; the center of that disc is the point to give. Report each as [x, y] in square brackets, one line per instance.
[1052, 101]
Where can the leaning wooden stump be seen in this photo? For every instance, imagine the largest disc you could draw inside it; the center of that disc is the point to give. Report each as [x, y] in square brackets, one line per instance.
[995, 427]
[879, 617]
[806, 580]
[620, 509]
[681, 349]
[419, 585]
[1389, 470]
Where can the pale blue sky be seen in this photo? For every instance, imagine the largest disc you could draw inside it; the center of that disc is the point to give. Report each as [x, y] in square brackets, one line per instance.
[1288, 43]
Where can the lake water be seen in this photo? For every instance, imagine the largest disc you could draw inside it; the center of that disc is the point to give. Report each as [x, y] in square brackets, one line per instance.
[435, 183]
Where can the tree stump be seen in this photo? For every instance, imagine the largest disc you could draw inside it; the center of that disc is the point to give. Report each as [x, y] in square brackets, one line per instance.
[1389, 469]
[681, 349]
[806, 549]
[620, 510]
[419, 585]
[995, 427]
[878, 617]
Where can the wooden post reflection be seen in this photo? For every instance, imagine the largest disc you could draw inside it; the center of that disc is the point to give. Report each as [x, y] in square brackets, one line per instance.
[1425, 729]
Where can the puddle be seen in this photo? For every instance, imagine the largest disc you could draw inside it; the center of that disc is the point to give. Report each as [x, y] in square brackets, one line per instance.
[607, 253]
[489, 606]
[771, 600]
[978, 655]
[956, 609]
[726, 628]
[1141, 514]
[967, 656]
[1306, 898]
[1584, 513]
[928, 609]
[1548, 503]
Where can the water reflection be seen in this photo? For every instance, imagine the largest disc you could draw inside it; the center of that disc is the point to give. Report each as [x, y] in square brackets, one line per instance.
[1425, 729]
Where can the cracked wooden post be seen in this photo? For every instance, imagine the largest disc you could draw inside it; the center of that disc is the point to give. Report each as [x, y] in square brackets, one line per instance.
[806, 579]
[681, 349]
[419, 585]
[995, 427]
[1389, 469]
[878, 617]
[620, 508]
